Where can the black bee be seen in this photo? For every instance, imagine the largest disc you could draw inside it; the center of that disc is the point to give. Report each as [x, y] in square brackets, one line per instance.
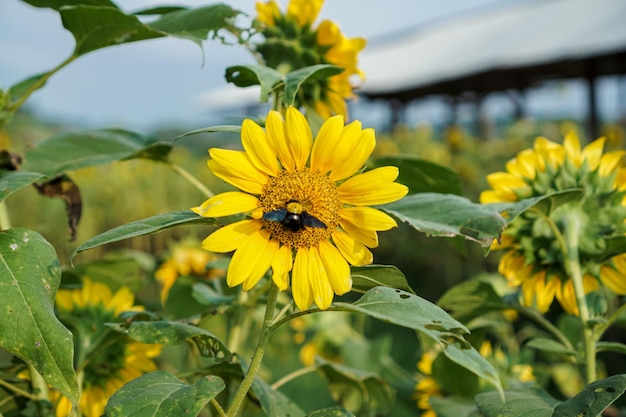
[293, 217]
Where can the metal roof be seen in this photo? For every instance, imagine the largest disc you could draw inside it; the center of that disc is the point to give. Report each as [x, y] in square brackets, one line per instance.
[512, 46]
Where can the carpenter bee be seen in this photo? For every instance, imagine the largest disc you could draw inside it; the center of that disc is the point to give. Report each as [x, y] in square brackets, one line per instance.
[293, 217]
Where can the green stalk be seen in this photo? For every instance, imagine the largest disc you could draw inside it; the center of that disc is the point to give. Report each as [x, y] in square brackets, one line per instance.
[40, 387]
[572, 265]
[193, 180]
[255, 364]
[5, 221]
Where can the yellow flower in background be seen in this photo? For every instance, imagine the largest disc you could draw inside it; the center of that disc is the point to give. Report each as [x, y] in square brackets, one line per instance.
[307, 200]
[291, 42]
[105, 366]
[426, 386]
[186, 259]
[533, 258]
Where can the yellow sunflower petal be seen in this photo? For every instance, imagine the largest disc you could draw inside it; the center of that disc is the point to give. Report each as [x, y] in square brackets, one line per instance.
[251, 260]
[571, 144]
[491, 196]
[275, 127]
[368, 218]
[300, 286]
[355, 252]
[260, 151]
[226, 204]
[505, 183]
[281, 265]
[122, 300]
[304, 12]
[367, 237]
[229, 237]
[614, 279]
[610, 161]
[322, 291]
[392, 192]
[364, 183]
[336, 267]
[324, 147]
[299, 137]
[235, 168]
[357, 157]
[523, 165]
[267, 12]
[592, 153]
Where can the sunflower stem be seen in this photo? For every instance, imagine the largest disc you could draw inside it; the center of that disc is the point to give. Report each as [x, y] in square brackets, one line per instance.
[193, 180]
[293, 375]
[572, 265]
[17, 390]
[218, 407]
[40, 387]
[255, 364]
[547, 325]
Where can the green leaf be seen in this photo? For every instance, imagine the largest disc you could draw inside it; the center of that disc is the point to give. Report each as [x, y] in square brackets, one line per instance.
[549, 345]
[409, 310]
[364, 393]
[207, 296]
[452, 406]
[422, 176]
[11, 181]
[158, 10]
[74, 150]
[57, 4]
[331, 412]
[29, 279]
[212, 129]
[142, 227]
[174, 333]
[611, 347]
[449, 215]
[161, 394]
[530, 403]
[115, 273]
[274, 403]
[295, 79]
[471, 299]
[367, 277]
[195, 24]
[17, 91]
[594, 398]
[247, 75]
[96, 27]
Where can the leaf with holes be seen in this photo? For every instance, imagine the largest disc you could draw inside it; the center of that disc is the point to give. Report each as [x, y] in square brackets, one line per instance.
[161, 394]
[29, 279]
[367, 277]
[174, 333]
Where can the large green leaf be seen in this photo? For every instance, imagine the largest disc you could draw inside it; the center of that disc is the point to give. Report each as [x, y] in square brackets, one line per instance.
[174, 333]
[449, 215]
[364, 393]
[17, 91]
[144, 227]
[74, 150]
[422, 176]
[295, 79]
[367, 277]
[594, 398]
[11, 181]
[29, 279]
[57, 4]
[248, 75]
[96, 27]
[408, 310]
[161, 394]
[529, 403]
[195, 24]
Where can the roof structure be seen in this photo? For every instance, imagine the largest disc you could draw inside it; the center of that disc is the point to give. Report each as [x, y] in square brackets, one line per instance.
[509, 47]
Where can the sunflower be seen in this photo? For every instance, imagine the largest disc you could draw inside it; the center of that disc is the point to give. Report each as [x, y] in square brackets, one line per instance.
[533, 259]
[186, 259]
[106, 360]
[282, 166]
[291, 42]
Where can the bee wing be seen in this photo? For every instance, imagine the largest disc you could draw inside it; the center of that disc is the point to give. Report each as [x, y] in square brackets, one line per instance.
[275, 215]
[311, 221]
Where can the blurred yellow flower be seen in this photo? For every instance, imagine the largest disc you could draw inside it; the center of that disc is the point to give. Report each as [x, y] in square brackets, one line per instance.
[291, 42]
[103, 367]
[308, 205]
[533, 260]
[186, 259]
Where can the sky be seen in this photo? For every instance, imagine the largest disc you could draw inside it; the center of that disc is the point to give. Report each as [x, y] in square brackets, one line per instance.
[164, 82]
